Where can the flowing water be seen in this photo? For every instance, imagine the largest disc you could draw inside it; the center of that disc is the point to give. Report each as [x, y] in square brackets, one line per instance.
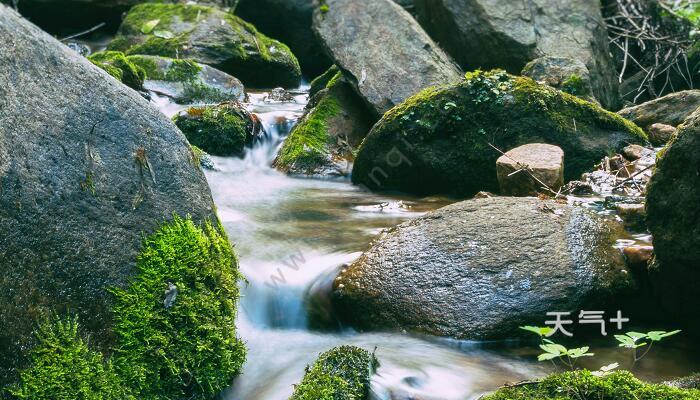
[292, 235]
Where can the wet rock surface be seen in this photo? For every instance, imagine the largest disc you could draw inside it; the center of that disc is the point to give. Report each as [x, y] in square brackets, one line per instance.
[383, 50]
[531, 169]
[87, 167]
[480, 268]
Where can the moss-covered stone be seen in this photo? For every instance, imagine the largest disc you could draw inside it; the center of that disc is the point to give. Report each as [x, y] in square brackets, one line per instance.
[322, 80]
[209, 36]
[342, 373]
[174, 328]
[121, 68]
[324, 142]
[176, 70]
[63, 366]
[439, 141]
[221, 130]
[583, 385]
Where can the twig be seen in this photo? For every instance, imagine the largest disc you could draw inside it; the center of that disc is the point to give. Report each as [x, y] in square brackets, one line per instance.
[94, 28]
[636, 174]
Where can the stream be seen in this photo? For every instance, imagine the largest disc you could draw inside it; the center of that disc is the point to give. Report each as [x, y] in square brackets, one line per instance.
[292, 235]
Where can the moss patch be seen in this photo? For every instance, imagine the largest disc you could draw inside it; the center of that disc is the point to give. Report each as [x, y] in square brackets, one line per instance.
[321, 82]
[221, 130]
[583, 385]
[174, 329]
[438, 141]
[340, 373]
[121, 68]
[176, 70]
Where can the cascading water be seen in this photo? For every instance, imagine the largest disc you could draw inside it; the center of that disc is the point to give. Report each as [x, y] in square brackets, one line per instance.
[292, 235]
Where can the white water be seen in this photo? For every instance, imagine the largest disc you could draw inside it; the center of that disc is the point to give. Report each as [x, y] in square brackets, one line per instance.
[292, 235]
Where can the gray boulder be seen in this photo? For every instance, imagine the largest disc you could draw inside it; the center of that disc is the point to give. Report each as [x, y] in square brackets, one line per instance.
[508, 34]
[87, 167]
[382, 49]
[566, 74]
[671, 109]
[479, 269]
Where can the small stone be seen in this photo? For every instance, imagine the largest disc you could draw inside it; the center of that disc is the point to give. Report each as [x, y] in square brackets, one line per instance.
[484, 195]
[170, 295]
[543, 161]
[578, 188]
[633, 152]
[660, 134]
[279, 95]
[634, 215]
[638, 256]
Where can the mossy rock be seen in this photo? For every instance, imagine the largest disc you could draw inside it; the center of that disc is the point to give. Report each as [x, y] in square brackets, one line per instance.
[221, 130]
[174, 331]
[116, 64]
[340, 373]
[673, 217]
[209, 36]
[439, 141]
[582, 384]
[325, 140]
[321, 81]
[188, 82]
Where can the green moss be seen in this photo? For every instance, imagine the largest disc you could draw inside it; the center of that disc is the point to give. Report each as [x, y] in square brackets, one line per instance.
[342, 373]
[190, 349]
[574, 85]
[583, 385]
[62, 366]
[177, 70]
[222, 130]
[321, 82]
[117, 65]
[306, 148]
[439, 141]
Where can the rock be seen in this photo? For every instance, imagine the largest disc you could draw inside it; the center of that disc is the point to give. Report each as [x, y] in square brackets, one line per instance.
[279, 95]
[116, 64]
[79, 48]
[673, 217]
[382, 49]
[488, 34]
[543, 164]
[324, 141]
[221, 130]
[578, 188]
[634, 215]
[660, 134]
[634, 152]
[291, 22]
[208, 36]
[638, 256]
[479, 269]
[87, 167]
[204, 159]
[343, 372]
[321, 81]
[671, 109]
[687, 382]
[439, 140]
[188, 82]
[566, 74]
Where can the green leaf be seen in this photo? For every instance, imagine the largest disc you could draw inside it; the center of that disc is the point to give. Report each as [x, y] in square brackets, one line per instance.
[636, 335]
[546, 357]
[148, 27]
[580, 352]
[539, 331]
[659, 335]
[164, 34]
[625, 341]
[554, 348]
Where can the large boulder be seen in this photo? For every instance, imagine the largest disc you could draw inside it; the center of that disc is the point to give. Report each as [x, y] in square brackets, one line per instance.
[325, 140]
[382, 49]
[289, 21]
[186, 81]
[673, 217]
[479, 269]
[671, 109]
[508, 34]
[440, 141]
[209, 36]
[87, 167]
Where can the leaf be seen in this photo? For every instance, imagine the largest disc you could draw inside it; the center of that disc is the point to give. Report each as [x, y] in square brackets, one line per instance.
[580, 352]
[609, 367]
[546, 357]
[539, 331]
[148, 27]
[554, 348]
[658, 335]
[636, 335]
[164, 34]
[625, 341]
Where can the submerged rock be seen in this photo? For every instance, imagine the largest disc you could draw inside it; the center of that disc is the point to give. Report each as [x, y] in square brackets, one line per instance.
[209, 36]
[531, 169]
[671, 109]
[291, 22]
[382, 49]
[508, 34]
[673, 217]
[479, 269]
[187, 82]
[221, 130]
[439, 141]
[122, 69]
[324, 141]
[87, 167]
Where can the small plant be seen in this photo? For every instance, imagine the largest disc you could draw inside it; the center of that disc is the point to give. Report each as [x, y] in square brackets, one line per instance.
[636, 340]
[486, 87]
[554, 351]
